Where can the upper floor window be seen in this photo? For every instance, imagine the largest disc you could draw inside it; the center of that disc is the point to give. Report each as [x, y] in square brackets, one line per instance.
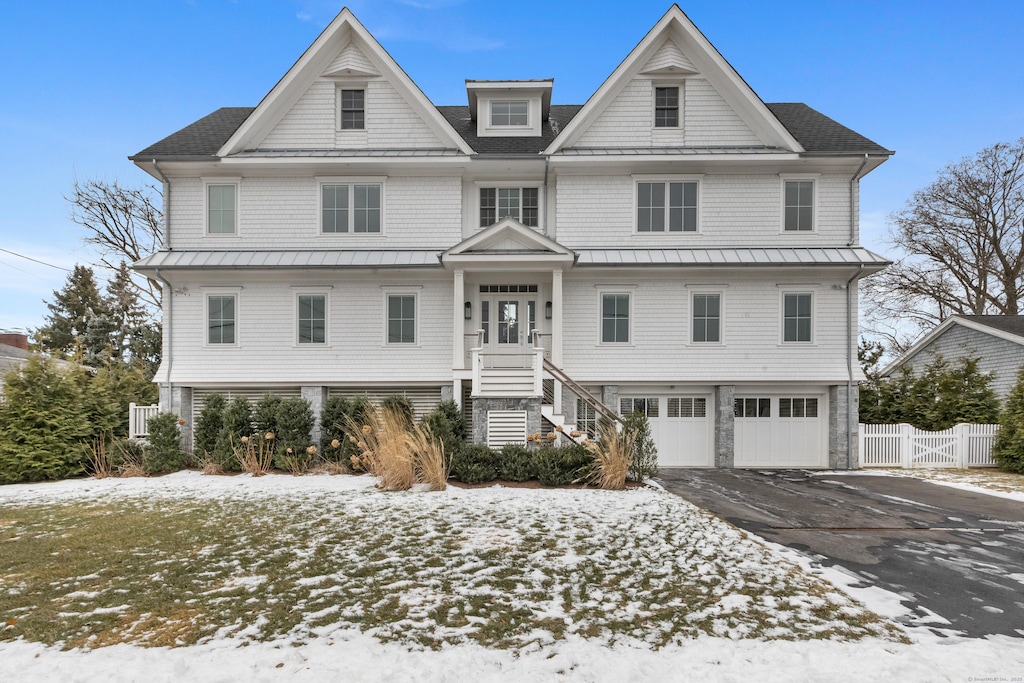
[312, 318]
[220, 209]
[796, 317]
[662, 206]
[353, 109]
[798, 210]
[401, 318]
[615, 318]
[354, 207]
[707, 317]
[220, 319]
[510, 112]
[521, 203]
[666, 107]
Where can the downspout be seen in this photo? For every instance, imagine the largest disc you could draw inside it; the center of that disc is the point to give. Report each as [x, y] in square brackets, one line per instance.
[849, 367]
[547, 161]
[166, 331]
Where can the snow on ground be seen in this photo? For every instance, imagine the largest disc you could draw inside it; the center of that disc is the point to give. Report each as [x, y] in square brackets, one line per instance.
[978, 480]
[344, 653]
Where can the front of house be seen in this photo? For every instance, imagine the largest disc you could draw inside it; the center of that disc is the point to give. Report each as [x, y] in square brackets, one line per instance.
[674, 246]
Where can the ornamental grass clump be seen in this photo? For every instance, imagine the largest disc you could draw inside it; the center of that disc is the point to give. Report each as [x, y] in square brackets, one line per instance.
[255, 454]
[384, 448]
[429, 459]
[613, 455]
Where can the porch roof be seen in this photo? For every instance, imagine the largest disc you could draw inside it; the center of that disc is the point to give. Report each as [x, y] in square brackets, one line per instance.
[334, 258]
[749, 257]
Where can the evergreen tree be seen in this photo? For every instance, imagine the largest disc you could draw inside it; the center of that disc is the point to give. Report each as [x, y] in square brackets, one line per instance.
[1008, 447]
[67, 333]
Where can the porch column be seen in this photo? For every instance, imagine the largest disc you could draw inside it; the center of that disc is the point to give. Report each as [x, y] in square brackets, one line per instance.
[458, 349]
[556, 331]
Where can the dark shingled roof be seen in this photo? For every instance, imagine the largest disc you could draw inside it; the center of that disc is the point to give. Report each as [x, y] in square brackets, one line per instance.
[202, 138]
[1014, 324]
[815, 131]
[818, 133]
[558, 119]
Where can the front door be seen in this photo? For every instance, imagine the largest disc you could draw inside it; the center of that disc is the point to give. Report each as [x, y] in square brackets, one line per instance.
[507, 321]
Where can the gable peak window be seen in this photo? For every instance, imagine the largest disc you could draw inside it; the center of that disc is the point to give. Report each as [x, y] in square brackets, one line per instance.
[799, 205]
[666, 205]
[510, 112]
[666, 107]
[521, 203]
[352, 108]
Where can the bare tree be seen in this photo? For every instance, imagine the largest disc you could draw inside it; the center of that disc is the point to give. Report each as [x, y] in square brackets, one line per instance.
[961, 243]
[124, 223]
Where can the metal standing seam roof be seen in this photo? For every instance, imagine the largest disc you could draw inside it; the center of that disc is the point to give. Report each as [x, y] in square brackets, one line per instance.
[812, 256]
[335, 258]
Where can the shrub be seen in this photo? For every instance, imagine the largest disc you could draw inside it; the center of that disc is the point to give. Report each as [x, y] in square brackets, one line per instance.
[209, 425]
[561, 465]
[237, 423]
[613, 456]
[294, 423]
[644, 463]
[446, 423]
[1008, 447]
[163, 453]
[264, 414]
[339, 411]
[474, 464]
[516, 463]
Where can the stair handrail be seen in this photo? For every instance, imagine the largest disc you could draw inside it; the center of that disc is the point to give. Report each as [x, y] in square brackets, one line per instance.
[588, 398]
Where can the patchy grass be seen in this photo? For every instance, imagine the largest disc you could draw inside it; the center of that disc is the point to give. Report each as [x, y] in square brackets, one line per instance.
[981, 477]
[167, 562]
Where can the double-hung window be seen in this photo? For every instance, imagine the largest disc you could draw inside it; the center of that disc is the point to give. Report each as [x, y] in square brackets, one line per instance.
[220, 318]
[707, 318]
[666, 206]
[221, 208]
[798, 209]
[350, 208]
[521, 203]
[615, 318]
[352, 109]
[666, 107]
[312, 318]
[797, 316]
[401, 311]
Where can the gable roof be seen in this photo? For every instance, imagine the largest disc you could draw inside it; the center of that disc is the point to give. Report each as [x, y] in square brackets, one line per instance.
[460, 118]
[507, 241]
[711, 64]
[1007, 327]
[318, 59]
[818, 133]
[200, 139]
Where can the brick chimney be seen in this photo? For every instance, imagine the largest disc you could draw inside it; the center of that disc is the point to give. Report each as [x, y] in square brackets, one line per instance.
[14, 339]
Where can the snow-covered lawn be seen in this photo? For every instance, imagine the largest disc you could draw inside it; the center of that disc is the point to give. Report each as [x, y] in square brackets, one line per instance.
[981, 479]
[325, 578]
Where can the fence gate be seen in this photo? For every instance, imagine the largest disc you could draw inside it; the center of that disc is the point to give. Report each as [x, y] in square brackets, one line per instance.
[903, 445]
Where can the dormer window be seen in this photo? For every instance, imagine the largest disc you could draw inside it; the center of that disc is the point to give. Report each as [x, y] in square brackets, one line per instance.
[510, 112]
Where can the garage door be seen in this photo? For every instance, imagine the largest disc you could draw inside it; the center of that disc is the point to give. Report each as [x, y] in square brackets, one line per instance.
[781, 431]
[680, 425]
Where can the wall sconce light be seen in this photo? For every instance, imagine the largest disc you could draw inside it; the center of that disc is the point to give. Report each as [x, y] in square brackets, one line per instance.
[467, 310]
[547, 310]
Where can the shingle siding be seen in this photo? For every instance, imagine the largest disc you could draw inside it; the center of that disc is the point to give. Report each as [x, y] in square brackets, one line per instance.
[1000, 357]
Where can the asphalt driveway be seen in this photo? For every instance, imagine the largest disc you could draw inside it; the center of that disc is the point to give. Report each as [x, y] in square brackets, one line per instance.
[957, 554]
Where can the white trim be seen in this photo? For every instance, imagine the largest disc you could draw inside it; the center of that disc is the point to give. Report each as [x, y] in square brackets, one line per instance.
[534, 113]
[402, 290]
[234, 292]
[351, 182]
[311, 291]
[615, 290]
[703, 291]
[235, 182]
[680, 86]
[814, 179]
[350, 85]
[797, 289]
[504, 184]
[666, 179]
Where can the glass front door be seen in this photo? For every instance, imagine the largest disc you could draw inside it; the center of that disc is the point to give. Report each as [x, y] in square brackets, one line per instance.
[508, 321]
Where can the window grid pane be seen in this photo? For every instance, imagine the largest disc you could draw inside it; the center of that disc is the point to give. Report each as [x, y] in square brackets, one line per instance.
[531, 207]
[221, 319]
[707, 317]
[366, 208]
[353, 113]
[312, 318]
[335, 208]
[509, 113]
[221, 207]
[401, 319]
[650, 207]
[488, 206]
[615, 318]
[799, 205]
[666, 107]
[797, 318]
[508, 202]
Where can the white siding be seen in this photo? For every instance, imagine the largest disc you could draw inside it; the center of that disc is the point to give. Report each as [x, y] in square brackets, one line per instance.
[276, 213]
[660, 350]
[999, 357]
[710, 121]
[391, 123]
[735, 210]
[351, 58]
[626, 121]
[356, 353]
[668, 55]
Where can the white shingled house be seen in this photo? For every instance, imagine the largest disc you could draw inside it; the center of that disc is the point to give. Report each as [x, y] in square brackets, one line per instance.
[675, 245]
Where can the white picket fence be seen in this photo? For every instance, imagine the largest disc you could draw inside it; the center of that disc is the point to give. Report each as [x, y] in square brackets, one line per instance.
[903, 445]
[138, 420]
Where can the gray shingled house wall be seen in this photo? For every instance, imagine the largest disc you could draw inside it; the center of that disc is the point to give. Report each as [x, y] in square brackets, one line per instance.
[999, 357]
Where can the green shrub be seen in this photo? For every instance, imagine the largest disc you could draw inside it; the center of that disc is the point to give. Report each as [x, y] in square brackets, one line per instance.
[237, 423]
[561, 465]
[1008, 447]
[516, 463]
[401, 405]
[446, 424]
[645, 454]
[337, 412]
[473, 464]
[163, 453]
[294, 423]
[209, 425]
[264, 415]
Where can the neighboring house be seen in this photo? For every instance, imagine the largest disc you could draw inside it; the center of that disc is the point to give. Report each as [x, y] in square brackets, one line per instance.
[679, 246]
[997, 341]
[14, 352]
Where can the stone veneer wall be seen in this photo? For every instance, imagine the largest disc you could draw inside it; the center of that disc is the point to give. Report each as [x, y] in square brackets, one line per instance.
[482, 405]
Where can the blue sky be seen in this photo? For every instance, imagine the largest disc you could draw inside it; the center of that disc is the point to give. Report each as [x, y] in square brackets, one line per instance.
[85, 84]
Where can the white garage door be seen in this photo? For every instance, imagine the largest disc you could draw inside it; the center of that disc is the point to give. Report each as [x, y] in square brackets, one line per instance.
[781, 431]
[680, 425]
